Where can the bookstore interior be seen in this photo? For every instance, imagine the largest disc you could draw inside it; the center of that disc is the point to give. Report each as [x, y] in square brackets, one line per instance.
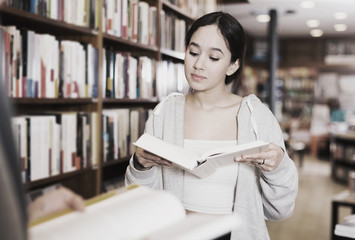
[83, 76]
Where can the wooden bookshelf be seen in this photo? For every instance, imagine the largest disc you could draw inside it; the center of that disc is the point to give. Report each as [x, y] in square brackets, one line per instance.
[178, 11]
[298, 89]
[42, 24]
[342, 156]
[89, 181]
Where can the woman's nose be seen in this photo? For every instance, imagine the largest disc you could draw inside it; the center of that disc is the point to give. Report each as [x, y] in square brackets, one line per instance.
[199, 64]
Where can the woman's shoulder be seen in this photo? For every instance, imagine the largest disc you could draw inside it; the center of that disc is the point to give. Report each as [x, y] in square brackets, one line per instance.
[255, 105]
[253, 100]
[173, 98]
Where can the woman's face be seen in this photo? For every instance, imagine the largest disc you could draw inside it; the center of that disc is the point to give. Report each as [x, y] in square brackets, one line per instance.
[207, 60]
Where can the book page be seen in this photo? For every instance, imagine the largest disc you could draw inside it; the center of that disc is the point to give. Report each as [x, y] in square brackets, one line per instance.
[129, 215]
[241, 149]
[203, 170]
[171, 152]
[198, 226]
[225, 156]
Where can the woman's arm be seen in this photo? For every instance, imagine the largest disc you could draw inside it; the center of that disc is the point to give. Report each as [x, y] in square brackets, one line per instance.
[279, 187]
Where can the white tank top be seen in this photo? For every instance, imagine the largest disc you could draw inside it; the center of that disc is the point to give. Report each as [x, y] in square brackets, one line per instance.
[215, 193]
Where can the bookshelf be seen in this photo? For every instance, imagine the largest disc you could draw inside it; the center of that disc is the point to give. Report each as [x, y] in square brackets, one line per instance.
[343, 156]
[298, 90]
[89, 179]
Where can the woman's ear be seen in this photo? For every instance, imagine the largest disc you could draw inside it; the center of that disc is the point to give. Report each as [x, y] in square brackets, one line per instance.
[233, 68]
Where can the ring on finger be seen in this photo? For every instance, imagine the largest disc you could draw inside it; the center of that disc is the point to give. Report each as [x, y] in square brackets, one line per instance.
[262, 162]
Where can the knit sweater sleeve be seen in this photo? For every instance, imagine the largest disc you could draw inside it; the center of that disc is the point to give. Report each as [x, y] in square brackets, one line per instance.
[165, 121]
[278, 187]
[152, 177]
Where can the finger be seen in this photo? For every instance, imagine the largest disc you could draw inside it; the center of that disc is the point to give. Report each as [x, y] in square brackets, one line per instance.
[72, 199]
[150, 156]
[146, 163]
[255, 158]
[77, 203]
[165, 162]
[254, 161]
[153, 159]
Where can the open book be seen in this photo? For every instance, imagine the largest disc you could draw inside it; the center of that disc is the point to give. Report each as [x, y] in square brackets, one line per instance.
[201, 166]
[139, 213]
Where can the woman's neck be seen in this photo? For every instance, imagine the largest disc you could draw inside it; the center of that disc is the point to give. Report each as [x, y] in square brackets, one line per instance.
[209, 100]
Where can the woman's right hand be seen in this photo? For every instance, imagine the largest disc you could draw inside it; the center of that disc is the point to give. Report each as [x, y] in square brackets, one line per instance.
[144, 160]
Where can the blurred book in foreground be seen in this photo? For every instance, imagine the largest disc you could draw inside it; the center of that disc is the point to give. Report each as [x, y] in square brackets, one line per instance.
[139, 213]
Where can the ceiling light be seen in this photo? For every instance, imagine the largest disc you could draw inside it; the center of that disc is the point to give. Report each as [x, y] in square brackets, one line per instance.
[340, 27]
[307, 4]
[316, 33]
[312, 23]
[263, 18]
[340, 15]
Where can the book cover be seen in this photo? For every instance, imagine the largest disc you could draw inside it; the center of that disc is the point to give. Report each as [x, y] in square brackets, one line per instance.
[124, 19]
[119, 76]
[132, 77]
[117, 18]
[143, 22]
[94, 133]
[153, 25]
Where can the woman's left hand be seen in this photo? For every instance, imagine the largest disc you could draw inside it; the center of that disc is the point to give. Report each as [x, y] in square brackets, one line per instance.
[266, 161]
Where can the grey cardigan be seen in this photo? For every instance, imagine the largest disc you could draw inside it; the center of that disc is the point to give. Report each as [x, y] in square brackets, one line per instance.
[259, 195]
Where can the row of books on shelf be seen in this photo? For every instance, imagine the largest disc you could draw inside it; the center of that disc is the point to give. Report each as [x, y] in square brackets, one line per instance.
[41, 66]
[142, 77]
[121, 127]
[173, 32]
[134, 20]
[341, 173]
[84, 13]
[192, 7]
[343, 152]
[56, 143]
[138, 21]
[131, 19]
[301, 95]
[304, 84]
[170, 78]
[298, 78]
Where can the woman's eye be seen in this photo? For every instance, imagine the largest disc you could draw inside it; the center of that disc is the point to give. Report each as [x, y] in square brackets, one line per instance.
[194, 54]
[214, 59]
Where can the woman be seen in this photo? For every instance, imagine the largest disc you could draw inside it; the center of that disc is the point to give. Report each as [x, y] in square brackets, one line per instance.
[259, 186]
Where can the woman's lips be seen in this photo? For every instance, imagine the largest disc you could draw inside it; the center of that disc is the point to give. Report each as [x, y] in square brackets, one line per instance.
[197, 77]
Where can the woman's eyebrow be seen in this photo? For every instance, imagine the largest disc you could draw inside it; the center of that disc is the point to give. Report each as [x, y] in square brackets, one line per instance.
[213, 48]
[217, 49]
[194, 44]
